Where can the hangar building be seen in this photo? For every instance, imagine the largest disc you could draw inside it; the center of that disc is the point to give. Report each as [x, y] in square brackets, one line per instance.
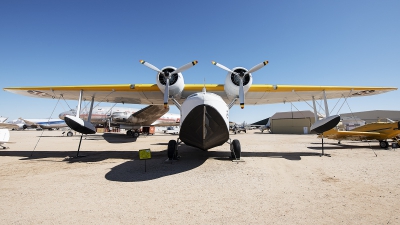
[374, 115]
[298, 122]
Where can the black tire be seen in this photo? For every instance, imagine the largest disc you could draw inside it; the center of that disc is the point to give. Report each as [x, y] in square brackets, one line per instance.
[129, 133]
[383, 144]
[236, 149]
[245, 131]
[69, 134]
[135, 134]
[171, 149]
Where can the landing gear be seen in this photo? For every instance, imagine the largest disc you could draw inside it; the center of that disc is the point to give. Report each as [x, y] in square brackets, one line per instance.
[172, 150]
[383, 144]
[69, 134]
[235, 149]
[134, 133]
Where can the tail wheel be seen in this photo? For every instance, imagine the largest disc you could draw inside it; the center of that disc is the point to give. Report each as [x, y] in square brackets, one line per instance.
[235, 149]
[171, 149]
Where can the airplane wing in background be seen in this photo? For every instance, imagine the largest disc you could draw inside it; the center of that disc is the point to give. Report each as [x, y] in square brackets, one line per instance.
[8, 126]
[150, 93]
[147, 115]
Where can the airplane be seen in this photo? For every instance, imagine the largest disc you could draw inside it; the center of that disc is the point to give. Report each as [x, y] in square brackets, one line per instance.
[4, 137]
[45, 123]
[130, 119]
[380, 131]
[204, 109]
[10, 125]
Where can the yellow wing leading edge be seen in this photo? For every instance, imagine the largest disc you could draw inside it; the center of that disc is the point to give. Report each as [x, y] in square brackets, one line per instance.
[151, 94]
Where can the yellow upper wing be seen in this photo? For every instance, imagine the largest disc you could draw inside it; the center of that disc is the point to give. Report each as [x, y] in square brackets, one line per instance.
[150, 93]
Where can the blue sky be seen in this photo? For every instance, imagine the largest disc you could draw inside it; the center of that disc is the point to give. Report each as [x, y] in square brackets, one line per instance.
[101, 42]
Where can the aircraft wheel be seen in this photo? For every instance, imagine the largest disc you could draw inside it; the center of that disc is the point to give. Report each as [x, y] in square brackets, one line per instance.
[129, 133]
[172, 149]
[235, 149]
[135, 134]
[245, 131]
[383, 144]
[69, 134]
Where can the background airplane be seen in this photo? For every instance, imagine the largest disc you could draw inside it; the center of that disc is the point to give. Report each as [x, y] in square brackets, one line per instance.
[381, 131]
[45, 123]
[130, 119]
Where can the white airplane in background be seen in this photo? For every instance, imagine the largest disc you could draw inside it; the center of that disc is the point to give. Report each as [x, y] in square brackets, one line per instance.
[45, 123]
[130, 119]
[204, 109]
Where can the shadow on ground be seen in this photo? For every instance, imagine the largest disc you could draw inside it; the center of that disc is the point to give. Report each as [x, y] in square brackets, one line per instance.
[133, 170]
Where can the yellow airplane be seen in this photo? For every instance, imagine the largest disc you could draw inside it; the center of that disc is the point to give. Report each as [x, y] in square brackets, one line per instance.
[381, 131]
[204, 108]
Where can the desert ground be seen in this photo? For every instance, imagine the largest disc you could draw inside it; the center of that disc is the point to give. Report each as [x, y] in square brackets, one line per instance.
[281, 179]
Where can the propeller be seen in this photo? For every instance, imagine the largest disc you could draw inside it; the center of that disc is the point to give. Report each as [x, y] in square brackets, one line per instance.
[241, 76]
[167, 76]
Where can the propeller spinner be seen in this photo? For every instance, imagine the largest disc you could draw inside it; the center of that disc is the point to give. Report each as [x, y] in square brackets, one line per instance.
[167, 75]
[241, 75]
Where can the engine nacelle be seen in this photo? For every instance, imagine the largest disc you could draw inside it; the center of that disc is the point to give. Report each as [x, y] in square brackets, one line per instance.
[176, 82]
[232, 83]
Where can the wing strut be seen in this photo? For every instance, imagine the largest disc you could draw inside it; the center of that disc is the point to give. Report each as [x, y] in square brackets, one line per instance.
[326, 105]
[78, 110]
[315, 109]
[176, 103]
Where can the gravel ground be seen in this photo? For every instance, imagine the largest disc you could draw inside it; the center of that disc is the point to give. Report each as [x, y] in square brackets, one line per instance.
[281, 179]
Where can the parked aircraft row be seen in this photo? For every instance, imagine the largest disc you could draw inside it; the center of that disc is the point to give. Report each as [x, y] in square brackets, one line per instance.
[204, 109]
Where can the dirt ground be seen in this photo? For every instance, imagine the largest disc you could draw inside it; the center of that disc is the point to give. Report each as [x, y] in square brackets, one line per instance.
[282, 179]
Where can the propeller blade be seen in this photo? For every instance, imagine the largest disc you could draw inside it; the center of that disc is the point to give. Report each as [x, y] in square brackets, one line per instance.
[224, 67]
[185, 67]
[257, 67]
[241, 94]
[166, 93]
[150, 66]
